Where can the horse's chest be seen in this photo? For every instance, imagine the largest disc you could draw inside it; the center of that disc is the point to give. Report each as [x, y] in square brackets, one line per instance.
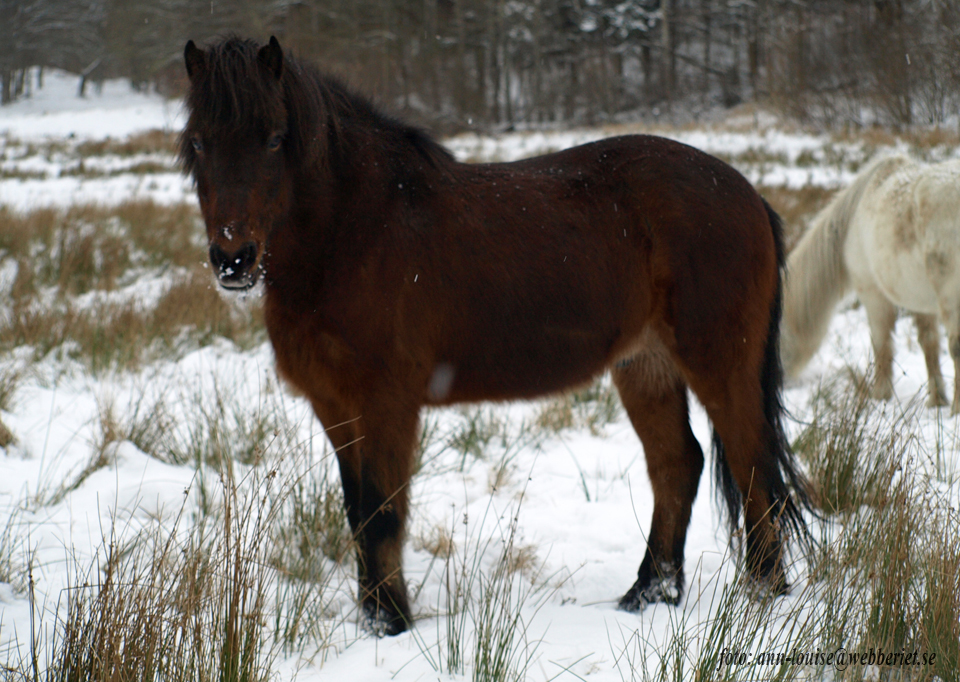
[309, 358]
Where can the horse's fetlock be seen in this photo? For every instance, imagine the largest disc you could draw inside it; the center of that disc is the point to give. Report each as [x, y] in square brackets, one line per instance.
[955, 347]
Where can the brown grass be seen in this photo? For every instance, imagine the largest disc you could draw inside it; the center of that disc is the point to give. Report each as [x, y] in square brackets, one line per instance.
[195, 303]
[437, 542]
[168, 234]
[591, 408]
[796, 207]
[918, 138]
[891, 580]
[89, 248]
[151, 141]
[81, 170]
[185, 606]
[18, 230]
[111, 335]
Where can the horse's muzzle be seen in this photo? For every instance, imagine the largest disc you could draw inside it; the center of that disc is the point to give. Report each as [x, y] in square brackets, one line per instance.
[237, 270]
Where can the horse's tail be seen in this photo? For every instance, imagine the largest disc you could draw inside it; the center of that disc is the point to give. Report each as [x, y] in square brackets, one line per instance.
[817, 276]
[789, 489]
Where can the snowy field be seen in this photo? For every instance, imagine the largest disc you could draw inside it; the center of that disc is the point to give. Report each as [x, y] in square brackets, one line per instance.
[570, 503]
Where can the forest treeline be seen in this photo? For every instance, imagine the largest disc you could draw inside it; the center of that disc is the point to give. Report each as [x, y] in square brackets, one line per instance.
[493, 64]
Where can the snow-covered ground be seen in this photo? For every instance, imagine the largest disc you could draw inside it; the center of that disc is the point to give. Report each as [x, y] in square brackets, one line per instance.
[582, 500]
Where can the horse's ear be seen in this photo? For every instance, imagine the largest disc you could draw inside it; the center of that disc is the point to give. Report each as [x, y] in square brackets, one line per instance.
[194, 59]
[271, 57]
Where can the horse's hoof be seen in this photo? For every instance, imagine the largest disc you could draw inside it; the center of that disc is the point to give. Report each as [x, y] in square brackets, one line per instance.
[766, 589]
[881, 391]
[668, 590]
[937, 400]
[382, 621]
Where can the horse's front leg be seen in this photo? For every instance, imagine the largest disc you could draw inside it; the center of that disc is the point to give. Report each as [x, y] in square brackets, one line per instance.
[882, 316]
[375, 451]
[928, 333]
[953, 338]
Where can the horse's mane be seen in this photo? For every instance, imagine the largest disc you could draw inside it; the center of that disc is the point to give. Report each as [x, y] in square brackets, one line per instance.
[817, 276]
[231, 91]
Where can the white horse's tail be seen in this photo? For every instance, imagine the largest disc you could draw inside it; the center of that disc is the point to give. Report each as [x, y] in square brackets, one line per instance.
[817, 276]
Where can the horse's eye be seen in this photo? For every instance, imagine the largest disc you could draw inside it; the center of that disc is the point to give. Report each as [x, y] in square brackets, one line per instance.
[197, 144]
[273, 144]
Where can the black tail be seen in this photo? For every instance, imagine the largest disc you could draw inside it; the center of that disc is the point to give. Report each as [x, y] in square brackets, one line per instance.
[787, 484]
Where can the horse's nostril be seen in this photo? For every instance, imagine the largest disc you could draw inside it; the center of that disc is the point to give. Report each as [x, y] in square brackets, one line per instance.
[237, 264]
[218, 257]
[246, 257]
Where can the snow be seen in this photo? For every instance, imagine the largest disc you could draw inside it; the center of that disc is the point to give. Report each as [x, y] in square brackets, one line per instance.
[582, 500]
[164, 188]
[116, 111]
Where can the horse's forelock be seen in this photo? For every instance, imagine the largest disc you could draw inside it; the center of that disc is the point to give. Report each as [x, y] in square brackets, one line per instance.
[234, 91]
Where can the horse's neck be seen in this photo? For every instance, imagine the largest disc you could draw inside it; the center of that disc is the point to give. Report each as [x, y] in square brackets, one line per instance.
[331, 221]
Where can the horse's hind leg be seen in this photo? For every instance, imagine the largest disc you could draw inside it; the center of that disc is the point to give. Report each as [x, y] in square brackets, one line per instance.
[954, 340]
[375, 451]
[882, 316]
[928, 333]
[655, 398]
[748, 466]
[950, 314]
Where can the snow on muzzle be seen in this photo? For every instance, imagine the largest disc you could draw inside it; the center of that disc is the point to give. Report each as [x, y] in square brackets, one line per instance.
[237, 270]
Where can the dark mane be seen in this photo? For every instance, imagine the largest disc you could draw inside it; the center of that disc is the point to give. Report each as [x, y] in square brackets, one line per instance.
[320, 108]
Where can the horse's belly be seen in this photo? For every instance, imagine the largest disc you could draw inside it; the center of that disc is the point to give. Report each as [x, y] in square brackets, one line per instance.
[903, 279]
[528, 367]
[886, 254]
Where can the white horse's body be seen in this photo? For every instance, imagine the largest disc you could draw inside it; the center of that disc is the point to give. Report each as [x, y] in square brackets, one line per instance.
[894, 237]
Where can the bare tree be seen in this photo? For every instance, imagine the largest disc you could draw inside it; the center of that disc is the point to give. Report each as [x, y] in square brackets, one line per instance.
[59, 33]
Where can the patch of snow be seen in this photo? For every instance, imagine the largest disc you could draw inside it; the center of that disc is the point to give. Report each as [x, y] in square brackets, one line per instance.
[55, 111]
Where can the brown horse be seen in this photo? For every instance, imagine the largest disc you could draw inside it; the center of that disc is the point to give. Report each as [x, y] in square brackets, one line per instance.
[396, 277]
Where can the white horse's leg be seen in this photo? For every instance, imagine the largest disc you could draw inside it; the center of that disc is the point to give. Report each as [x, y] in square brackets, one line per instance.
[950, 314]
[882, 316]
[954, 341]
[928, 333]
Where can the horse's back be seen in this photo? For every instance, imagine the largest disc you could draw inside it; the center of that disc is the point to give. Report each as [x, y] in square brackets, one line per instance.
[565, 260]
[937, 203]
[905, 236]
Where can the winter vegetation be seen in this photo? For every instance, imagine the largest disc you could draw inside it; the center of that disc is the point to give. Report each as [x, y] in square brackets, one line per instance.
[169, 511]
[489, 65]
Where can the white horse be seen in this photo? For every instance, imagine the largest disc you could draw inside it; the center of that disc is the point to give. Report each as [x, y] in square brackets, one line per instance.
[894, 237]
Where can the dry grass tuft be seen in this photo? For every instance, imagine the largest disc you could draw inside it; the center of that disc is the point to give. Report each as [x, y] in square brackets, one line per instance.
[437, 542]
[108, 336]
[178, 606]
[195, 303]
[590, 408]
[846, 423]
[148, 142]
[170, 235]
[88, 247]
[796, 207]
[57, 255]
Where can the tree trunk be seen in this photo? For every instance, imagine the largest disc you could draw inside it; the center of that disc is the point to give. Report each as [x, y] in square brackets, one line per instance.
[706, 15]
[666, 38]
